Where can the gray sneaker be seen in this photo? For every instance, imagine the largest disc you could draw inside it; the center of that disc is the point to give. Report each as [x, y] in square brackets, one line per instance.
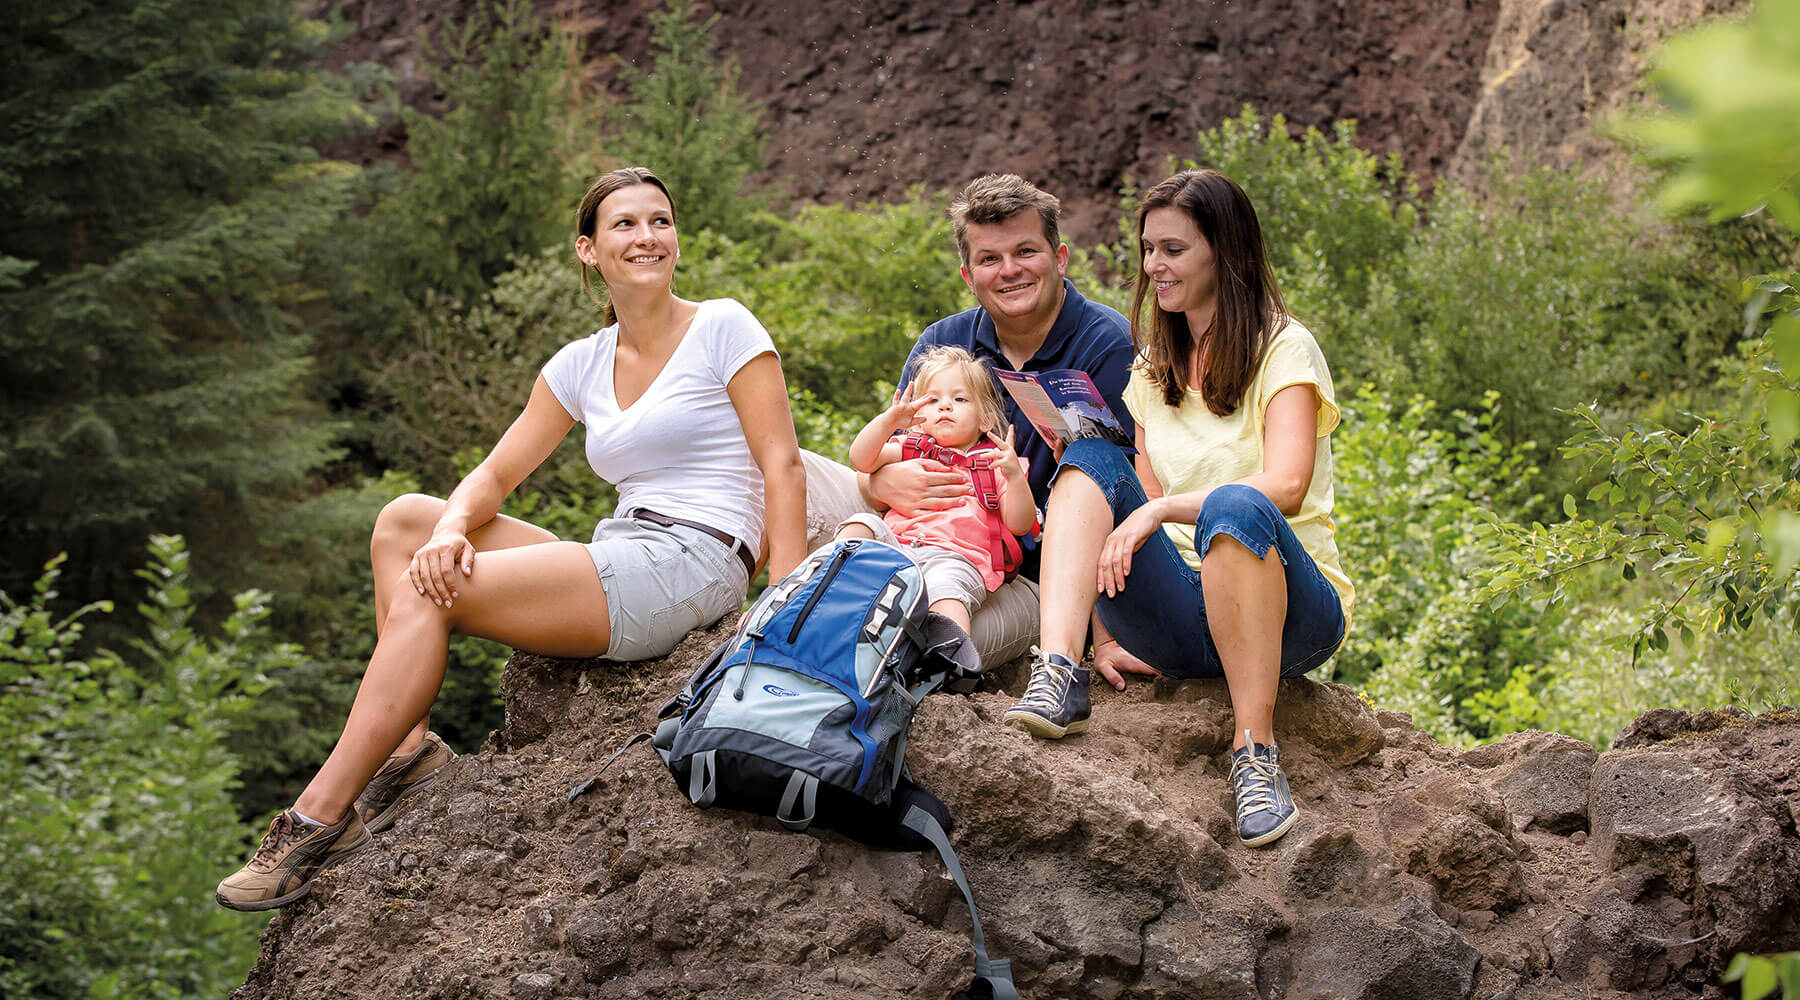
[400, 779]
[1056, 701]
[292, 853]
[1265, 807]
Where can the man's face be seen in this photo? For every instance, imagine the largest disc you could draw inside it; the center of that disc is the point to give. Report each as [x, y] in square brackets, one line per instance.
[1013, 270]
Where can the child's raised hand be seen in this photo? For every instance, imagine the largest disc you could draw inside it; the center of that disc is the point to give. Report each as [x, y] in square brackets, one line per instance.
[1008, 459]
[905, 411]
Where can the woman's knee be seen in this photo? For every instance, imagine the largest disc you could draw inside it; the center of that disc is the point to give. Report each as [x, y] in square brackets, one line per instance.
[1241, 512]
[1101, 460]
[407, 517]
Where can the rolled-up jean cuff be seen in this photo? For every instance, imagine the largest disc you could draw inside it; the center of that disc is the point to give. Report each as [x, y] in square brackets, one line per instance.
[1246, 514]
[1259, 546]
[1103, 462]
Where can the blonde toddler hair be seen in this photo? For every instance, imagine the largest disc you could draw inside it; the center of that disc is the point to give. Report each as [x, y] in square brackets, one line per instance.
[976, 376]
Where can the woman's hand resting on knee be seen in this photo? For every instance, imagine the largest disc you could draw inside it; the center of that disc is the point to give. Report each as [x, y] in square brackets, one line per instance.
[1125, 540]
[434, 565]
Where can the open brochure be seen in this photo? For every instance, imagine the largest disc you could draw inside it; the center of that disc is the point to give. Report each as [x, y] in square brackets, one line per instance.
[1064, 405]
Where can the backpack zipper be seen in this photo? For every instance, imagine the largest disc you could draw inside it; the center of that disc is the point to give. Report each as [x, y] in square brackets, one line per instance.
[744, 675]
[837, 562]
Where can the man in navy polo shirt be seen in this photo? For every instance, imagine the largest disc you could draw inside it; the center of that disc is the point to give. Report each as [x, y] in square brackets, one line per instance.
[1030, 318]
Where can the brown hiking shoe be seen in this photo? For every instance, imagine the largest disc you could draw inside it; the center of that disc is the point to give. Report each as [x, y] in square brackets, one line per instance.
[400, 779]
[293, 852]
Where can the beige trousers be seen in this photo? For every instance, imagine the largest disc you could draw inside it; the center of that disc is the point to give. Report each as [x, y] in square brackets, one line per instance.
[1004, 626]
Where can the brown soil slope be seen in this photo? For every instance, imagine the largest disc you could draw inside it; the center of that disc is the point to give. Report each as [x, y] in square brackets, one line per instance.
[862, 101]
[865, 100]
[1105, 865]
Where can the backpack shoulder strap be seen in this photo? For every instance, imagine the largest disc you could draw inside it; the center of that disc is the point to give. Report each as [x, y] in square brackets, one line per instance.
[1003, 548]
[593, 780]
[993, 977]
[912, 445]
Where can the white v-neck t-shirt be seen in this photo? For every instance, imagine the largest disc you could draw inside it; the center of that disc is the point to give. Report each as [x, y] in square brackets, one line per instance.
[679, 448]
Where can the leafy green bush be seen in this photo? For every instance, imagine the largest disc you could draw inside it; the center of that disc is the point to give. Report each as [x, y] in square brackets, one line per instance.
[115, 810]
[1539, 288]
[1732, 87]
[316, 562]
[842, 331]
[1703, 502]
[467, 368]
[1683, 504]
[1333, 215]
[1412, 508]
[1588, 689]
[1761, 974]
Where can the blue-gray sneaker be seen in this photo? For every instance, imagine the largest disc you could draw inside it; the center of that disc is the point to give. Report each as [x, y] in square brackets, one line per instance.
[1265, 807]
[1056, 700]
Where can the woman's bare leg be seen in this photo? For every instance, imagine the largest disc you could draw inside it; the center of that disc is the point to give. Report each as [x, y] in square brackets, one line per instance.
[1246, 606]
[1078, 518]
[403, 526]
[546, 598]
[406, 523]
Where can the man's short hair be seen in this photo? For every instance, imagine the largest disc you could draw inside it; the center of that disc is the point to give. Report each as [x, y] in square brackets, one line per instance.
[995, 198]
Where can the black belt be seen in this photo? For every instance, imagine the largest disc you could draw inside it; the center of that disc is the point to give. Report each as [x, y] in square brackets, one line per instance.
[738, 548]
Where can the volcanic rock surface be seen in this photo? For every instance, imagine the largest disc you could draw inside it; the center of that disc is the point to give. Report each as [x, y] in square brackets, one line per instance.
[863, 101]
[1105, 865]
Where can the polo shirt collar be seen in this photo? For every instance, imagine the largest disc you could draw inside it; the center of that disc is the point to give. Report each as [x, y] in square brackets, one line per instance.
[1067, 320]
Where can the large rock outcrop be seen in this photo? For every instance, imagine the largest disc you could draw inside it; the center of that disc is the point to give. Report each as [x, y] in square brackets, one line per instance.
[1105, 865]
[1557, 71]
[863, 101]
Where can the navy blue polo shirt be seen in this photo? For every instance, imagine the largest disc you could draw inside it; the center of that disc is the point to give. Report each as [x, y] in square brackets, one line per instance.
[1087, 336]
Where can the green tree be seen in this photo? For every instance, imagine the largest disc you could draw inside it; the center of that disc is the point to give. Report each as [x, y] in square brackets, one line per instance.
[115, 808]
[844, 332]
[686, 121]
[495, 176]
[157, 189]
[1705, 500]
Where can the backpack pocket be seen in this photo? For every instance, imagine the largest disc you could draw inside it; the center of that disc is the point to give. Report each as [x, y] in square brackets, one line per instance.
[777, 703]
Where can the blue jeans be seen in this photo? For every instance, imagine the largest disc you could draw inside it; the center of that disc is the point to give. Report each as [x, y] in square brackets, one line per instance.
[1160, 616]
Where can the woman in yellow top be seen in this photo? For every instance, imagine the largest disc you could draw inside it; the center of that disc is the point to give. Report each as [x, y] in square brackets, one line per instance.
[1234, 407]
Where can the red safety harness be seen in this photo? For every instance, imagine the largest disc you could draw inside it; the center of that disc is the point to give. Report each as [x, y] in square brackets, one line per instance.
[1003, 545]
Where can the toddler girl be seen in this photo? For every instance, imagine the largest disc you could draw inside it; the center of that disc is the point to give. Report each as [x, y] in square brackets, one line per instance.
[951, 409]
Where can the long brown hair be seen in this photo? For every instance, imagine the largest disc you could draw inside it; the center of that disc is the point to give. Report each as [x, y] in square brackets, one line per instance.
[597, 192]
[1249, 303]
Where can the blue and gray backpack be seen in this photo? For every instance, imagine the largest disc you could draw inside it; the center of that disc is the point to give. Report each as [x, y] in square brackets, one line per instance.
[802, 714]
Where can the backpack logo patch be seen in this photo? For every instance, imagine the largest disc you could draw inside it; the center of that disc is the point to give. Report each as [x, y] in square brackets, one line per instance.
[780, 692]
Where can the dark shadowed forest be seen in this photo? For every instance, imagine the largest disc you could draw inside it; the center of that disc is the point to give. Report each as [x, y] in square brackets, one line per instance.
[1566, 468]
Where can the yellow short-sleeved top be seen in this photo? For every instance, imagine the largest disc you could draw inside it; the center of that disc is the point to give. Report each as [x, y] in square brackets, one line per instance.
[1191, 448]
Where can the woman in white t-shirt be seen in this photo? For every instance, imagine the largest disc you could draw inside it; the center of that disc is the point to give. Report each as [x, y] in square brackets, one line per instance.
[686, 413]
[1213, 554]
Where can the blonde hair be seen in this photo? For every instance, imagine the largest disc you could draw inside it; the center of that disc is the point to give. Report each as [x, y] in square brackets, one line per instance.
[976, 376]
